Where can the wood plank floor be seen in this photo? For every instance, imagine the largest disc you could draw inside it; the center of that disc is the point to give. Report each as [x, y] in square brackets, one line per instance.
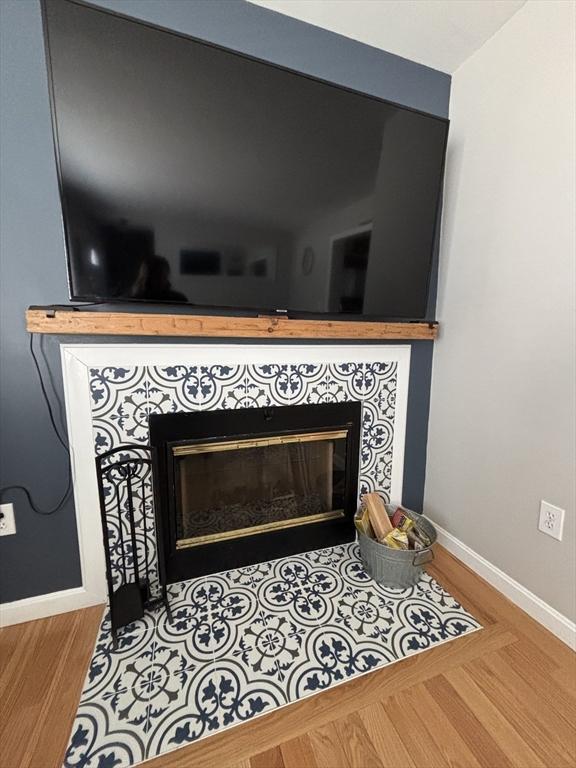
[499, 698]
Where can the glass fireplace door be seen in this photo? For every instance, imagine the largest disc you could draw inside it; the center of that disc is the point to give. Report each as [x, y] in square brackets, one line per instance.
[233, 488]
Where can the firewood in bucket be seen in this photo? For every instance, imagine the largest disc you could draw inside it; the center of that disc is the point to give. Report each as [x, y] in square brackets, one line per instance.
[362, 523]
[379, 519]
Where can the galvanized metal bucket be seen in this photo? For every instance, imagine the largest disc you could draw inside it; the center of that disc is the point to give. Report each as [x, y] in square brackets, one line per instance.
[397, 567]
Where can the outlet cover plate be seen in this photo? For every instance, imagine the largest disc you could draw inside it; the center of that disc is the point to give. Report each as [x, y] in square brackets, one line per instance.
[7, 522]
[551, 520]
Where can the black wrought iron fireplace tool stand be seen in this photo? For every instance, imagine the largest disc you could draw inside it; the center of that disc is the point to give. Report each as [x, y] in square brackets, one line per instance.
[124, 476]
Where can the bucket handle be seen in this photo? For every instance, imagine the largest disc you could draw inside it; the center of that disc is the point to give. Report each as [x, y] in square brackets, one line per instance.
[423, 556]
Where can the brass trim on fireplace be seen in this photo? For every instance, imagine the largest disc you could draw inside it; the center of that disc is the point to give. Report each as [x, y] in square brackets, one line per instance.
[261, 442]
[197, 541]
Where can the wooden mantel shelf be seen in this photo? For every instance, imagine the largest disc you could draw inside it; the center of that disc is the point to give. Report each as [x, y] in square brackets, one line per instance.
[87, 323]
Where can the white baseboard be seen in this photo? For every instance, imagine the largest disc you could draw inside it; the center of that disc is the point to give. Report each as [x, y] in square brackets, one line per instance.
[544, 614]
[40, 607]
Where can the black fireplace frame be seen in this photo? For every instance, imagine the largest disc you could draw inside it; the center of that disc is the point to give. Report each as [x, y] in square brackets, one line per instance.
[170, 430]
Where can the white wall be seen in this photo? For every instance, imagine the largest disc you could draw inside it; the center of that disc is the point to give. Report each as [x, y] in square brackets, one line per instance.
[502, 424]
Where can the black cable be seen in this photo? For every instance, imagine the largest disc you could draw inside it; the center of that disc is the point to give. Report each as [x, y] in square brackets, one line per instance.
[47, 399]
[37, 510]
[61, 440]
[41, 353]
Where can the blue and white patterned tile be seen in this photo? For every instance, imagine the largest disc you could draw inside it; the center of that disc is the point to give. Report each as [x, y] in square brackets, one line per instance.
[306, 381]
[109, 386]
[385, 400]
[284, 642]
[149, 701]
[99, 740]
[245, 642]
[351, 377]
[366, 484]
[104, 434]
[248, 576]
[120, 404]
[376, 450]
[321, 580]
[111, 432]
[322, 584]
[178, 589]
[193, 713]
[365, 613]
[332, 655]
[171, 683]
[231, 610]
[377, 435]
[378, 374]
[206, 619]
[129, 693]
[111, 666]
[284, 592]
[268, 385]
[429, 589]
[396, 594]
[351, 569]
[137, 694]
[159, 398]
[328, 557]
[270, 645]
[214, 697]
[198, 387]
[421, 625]
[354, 601]
[243, 696]
[382, 473]
[324, 384]
[188, 628]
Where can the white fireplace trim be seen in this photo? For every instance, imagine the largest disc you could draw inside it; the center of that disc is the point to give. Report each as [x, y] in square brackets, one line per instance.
[78, 359]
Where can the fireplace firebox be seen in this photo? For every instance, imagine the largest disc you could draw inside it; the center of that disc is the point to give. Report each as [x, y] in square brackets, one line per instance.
[237, 487]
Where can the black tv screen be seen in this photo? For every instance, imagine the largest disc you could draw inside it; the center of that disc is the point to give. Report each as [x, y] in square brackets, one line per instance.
[192, 174]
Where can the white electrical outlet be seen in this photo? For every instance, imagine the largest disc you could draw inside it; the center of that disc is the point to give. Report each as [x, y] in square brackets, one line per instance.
[7, 521]
[551, 520]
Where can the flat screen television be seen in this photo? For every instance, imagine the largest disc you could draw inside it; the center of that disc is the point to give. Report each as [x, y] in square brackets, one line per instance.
[196, 175]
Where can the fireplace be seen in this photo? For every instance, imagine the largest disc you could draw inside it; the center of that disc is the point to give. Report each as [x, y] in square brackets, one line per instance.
[242, 486]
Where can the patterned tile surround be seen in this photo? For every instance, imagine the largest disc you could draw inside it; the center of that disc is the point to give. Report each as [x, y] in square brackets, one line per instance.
[243, 643]
[123, 396]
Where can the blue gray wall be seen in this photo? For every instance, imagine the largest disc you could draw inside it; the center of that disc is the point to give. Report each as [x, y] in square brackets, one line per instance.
[43, 556]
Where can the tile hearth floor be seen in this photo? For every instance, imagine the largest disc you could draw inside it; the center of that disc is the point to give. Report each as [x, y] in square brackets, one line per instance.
[244, 642]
